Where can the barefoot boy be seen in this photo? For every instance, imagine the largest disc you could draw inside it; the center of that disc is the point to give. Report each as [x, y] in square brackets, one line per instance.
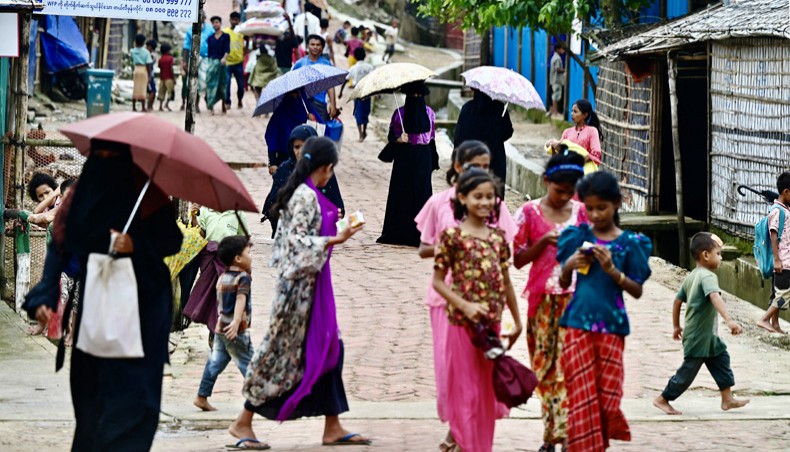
[780, 244]
[232, 339]
[701, 345]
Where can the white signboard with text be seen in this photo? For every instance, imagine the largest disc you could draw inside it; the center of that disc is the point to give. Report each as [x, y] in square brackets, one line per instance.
[9, 35]
[164, 10]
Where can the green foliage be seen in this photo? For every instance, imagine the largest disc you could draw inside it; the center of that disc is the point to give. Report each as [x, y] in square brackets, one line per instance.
[554, 16]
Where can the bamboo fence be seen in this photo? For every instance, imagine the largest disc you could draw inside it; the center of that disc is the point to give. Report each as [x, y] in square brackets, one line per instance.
[750, 142]
[623, 106]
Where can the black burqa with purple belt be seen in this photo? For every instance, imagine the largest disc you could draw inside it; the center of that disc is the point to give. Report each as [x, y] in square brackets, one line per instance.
[412, 165]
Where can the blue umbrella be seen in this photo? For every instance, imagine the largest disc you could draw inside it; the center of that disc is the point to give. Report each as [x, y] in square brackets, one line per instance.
[310, 79]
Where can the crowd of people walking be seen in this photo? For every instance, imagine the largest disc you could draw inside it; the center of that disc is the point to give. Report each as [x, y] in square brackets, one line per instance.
[581, 263]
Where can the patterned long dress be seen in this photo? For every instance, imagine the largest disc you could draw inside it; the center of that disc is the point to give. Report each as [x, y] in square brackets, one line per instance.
[547, 301]
[278, 364]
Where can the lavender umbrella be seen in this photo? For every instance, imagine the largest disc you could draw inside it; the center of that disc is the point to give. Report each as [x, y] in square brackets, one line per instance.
[504, 85]
[310, 79]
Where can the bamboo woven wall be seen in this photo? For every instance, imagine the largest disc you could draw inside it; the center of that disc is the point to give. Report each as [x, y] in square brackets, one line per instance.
[750, 105]
[623, 107]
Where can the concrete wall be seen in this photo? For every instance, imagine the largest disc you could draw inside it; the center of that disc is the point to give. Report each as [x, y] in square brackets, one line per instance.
[439, 97]
[742, 278]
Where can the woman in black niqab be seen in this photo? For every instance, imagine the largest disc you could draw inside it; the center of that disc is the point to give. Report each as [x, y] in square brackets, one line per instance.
[481, 119]
[116, 401]
[414, 158]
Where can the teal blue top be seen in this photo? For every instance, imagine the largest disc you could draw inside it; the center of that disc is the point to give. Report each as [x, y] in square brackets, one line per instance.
[597, 305]
[140, 55]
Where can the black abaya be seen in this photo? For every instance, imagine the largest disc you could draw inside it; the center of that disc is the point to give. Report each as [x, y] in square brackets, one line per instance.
[481, 119]
[410, 188]
[116, 401]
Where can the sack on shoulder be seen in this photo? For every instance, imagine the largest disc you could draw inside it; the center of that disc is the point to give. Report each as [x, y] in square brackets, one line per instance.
[110, 326]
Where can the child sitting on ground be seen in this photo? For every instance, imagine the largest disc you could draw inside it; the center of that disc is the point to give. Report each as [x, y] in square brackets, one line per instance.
[232, 339]
[701, 345]
[780, 244]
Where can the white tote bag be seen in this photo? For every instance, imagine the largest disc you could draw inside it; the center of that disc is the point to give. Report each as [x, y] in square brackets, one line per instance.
[110, 325]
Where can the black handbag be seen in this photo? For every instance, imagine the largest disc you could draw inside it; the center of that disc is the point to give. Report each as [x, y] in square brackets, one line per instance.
[387, 155]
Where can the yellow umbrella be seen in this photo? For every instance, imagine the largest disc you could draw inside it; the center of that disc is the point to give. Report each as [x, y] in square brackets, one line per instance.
[589, 165]
[390, 77]
[192, 244]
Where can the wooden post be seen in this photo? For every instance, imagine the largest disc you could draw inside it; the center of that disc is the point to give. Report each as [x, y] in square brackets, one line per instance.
[194, 61]
[672, 71]
[654, 152]
[20, 118]
[106, 42]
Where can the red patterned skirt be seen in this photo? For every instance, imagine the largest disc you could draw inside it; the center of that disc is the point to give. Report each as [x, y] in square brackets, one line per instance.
[593, 368]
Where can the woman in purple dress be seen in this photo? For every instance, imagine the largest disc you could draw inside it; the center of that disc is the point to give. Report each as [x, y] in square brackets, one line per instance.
[297, 370]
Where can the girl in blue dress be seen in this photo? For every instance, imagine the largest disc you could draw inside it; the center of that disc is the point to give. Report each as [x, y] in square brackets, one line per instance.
[607, 261]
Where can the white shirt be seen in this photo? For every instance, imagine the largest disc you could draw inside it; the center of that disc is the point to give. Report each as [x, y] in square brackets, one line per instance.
[313, 25]
[292, 7]
[391, 35]
[359, 71]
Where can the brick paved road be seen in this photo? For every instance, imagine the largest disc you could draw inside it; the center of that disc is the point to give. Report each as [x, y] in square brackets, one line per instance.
[388, 369]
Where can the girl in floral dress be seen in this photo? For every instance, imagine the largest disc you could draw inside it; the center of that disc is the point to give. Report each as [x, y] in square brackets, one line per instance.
[540, 223]
[436, 216]
[607, 261]
[297, 370]
[477, 256]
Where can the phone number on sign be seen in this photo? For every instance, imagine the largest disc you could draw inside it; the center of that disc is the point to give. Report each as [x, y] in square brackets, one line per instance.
[181, 13]
[170, 12]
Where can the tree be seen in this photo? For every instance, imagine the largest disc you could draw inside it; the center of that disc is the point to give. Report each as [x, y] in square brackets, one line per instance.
[554, 16]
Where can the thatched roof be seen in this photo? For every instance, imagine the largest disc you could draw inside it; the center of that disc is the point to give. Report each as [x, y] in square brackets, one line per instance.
[741, 18]
[20, 6]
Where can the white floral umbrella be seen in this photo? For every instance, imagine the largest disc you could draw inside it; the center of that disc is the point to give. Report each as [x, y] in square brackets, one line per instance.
[504, 85]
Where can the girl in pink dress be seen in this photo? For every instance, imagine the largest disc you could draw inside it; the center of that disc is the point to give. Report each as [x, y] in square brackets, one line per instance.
[478, 257]
[586, 131]
[540, 223]
[435, 217]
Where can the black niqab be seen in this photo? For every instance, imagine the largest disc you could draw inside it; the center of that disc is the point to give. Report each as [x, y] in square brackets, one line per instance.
[103, 199]
[415, 114]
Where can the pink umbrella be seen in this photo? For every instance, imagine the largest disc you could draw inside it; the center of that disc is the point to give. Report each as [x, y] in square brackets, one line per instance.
[504, 85]
[180, 164]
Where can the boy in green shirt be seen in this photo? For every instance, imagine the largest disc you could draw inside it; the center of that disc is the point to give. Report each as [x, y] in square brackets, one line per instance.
[701, 345]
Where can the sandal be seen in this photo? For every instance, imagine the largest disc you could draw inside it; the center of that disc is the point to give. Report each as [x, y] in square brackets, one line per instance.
[447, 446]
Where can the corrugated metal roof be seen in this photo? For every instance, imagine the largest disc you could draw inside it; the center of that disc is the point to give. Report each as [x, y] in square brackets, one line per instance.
[20, 6]
[741, 18]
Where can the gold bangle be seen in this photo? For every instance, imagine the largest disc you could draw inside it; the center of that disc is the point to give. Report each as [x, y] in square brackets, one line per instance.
[622, 278]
